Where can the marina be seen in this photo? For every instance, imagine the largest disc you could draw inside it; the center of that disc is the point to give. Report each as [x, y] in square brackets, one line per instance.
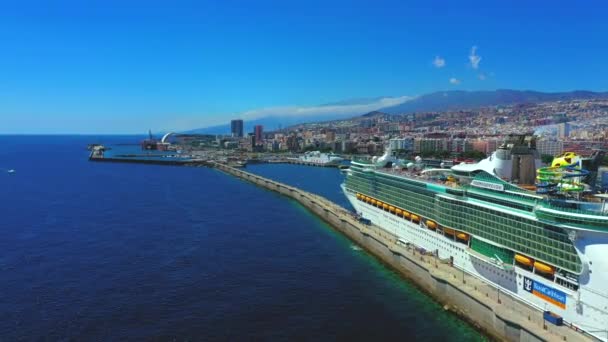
[142, 253]
[101, 153]
[459, 251]
[496, 313]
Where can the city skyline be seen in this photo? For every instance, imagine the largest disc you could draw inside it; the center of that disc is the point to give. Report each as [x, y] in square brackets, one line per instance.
[112, 68]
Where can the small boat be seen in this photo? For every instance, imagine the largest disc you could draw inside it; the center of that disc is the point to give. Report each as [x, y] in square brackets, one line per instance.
[11, 171]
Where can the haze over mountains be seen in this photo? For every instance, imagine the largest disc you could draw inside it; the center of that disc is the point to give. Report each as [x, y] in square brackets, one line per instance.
[458, 99]
[437, 101]
[274, 117]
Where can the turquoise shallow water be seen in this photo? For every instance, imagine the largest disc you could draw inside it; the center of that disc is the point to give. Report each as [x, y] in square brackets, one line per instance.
[326, 182]
[98, 251]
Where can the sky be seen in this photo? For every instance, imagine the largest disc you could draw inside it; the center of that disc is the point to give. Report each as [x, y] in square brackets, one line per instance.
[111, 66]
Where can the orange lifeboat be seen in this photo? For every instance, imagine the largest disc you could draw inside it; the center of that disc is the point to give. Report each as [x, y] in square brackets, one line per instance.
[358, 196]
[368, 200]
[406, 214]
[524, 260]
[398, 212]
[374, 202]
[431, 224]
[539, 266]
[449, 231]
[391, 209]
[415, 218]
[385, 206]
[463, 236]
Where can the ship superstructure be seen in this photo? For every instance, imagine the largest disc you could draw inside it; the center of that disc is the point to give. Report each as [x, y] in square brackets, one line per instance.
[540, 236]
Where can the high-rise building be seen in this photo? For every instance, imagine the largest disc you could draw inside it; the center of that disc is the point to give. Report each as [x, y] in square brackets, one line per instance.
[258, 131]
[236, 128]
[402, 144]
[563, 130]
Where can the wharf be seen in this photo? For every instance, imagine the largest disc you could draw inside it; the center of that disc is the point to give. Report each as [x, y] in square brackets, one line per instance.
[496, 313]
[299, 162]
[155, 161]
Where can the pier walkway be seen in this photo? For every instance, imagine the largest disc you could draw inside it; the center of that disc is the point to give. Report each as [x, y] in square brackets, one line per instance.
[300, 162]
[494, 312]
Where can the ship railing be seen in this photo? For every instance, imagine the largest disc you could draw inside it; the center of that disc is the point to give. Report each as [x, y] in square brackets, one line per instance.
[426, 179]
[574, 210]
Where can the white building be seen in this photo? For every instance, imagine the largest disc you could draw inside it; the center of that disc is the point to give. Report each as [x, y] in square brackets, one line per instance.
[550, 147]
[402, 144]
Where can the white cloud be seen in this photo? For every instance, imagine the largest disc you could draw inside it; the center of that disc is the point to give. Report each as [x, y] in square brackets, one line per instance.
[183, 123]
[482, 76]
[454, 81]
[474, 58]
[439, 62]
[324, 109]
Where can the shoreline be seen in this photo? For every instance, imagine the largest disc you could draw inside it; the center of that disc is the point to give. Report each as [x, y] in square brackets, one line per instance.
[495, 314]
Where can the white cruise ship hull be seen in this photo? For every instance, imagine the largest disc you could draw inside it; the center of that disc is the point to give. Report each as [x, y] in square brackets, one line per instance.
[590, 317]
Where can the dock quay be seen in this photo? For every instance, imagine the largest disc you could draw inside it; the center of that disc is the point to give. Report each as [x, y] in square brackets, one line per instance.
[299, 162]
[294, 161]
[494, 312]
[158, 161]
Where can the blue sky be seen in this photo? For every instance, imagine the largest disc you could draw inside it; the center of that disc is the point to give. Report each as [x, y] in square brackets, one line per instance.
[126, 66]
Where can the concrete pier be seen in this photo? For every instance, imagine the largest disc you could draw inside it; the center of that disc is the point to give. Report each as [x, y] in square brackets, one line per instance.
[300, 162]
[158, 161]
[496, 313]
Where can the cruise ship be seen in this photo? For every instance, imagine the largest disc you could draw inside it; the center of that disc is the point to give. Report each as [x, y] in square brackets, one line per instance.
[319, 158]
[537, 233]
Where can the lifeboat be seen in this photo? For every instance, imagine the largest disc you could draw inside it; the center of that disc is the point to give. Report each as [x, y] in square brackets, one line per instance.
[406, 214]
[431, 224]
[463, 236]
[539, 266]
[449, 231]
[524, 260]
[398, 212]
[368, 199]
[379, 204]
[415, 218]
[391, 209]
[358, 196]
[385, 206]
[374, 202]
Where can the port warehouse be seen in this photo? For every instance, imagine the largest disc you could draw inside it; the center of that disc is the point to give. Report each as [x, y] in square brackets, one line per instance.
[498, 314]
[509, 222]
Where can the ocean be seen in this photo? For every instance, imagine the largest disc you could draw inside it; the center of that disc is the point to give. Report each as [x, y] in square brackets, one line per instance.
[100, 251]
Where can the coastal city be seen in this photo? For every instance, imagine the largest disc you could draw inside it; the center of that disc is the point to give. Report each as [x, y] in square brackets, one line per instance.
[579, 126]
[527, 179]
[452, 137]
[304, 170]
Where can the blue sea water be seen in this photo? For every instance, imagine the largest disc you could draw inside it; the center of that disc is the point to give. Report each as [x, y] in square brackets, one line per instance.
[99, 251]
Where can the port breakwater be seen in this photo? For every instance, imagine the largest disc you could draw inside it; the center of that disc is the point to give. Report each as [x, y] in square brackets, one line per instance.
[496, 313]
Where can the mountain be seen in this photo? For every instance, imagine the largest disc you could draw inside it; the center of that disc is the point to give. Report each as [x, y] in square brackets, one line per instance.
[271, 123]
[273, 118]
[356, 101]
[458, 99]
[280, 117]
[374, 114]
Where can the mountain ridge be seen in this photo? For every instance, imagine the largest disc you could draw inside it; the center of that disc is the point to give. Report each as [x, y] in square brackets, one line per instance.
[462, 99]
[432, 102]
